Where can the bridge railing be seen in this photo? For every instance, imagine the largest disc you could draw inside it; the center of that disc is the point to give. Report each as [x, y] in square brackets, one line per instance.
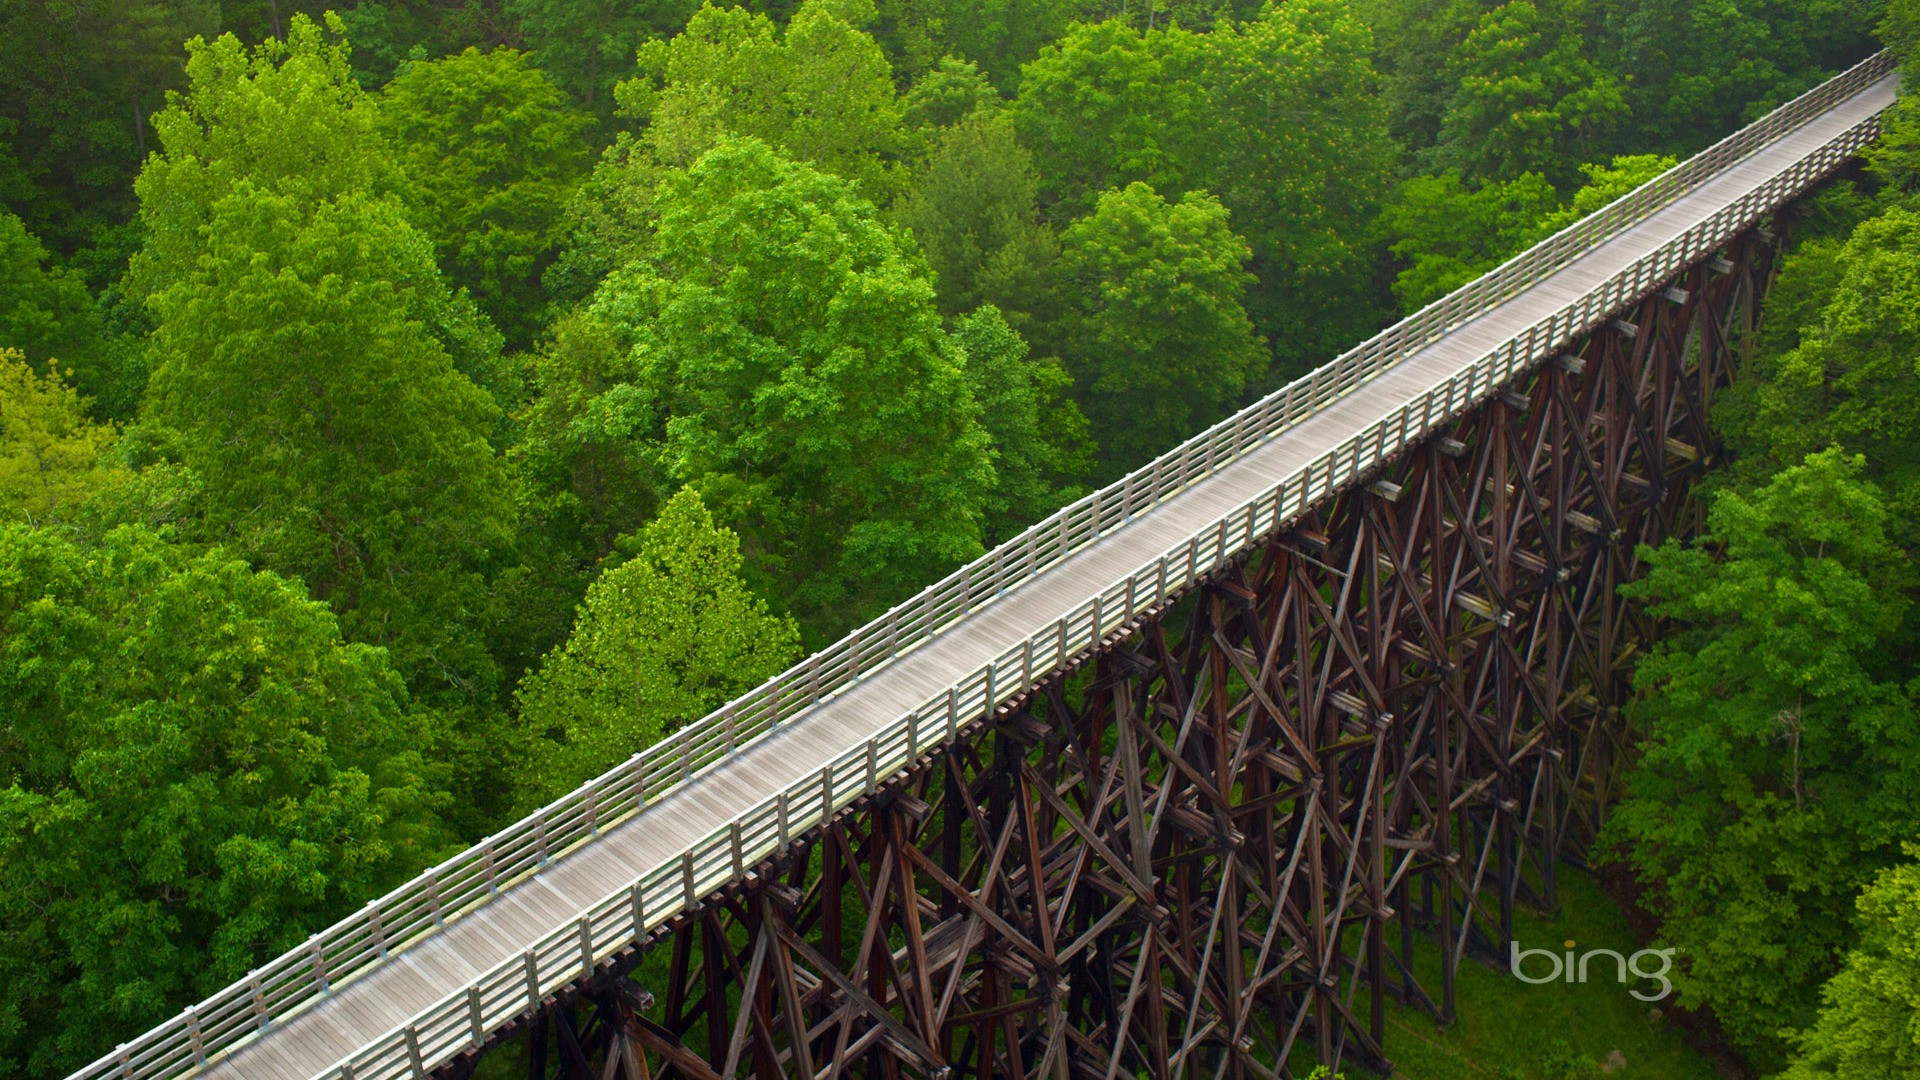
[357, 944]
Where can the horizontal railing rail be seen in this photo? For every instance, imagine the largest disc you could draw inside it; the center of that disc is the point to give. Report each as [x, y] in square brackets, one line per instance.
[462, 1022]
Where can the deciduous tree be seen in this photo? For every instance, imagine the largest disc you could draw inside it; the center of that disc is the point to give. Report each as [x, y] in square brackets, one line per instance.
[50, 451]
[1154, 333]
[196, 772]
[1781, 764]
[494, 150]
[663, 638]
[1869, 1024]
[803, 384]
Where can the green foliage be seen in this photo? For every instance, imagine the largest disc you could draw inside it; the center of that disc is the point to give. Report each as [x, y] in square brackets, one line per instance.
[1869, 1024]
[589, 45]
[1278, 116]
[802, 383]
[336, 440]
[1852, 379]
[585, 435]
[950, 92]
[1154, 333]
[1040, 440]
[494, 149]
[50, 452]
[972, 206]
[1449, 233]
[77, 82]
[1531, 96]
[1695, 71]
[302, 354]
[197, 773]
[663, 638]
[48, 314]
[1780, 755]
[388, 33]
[821, 91]
[996, 35]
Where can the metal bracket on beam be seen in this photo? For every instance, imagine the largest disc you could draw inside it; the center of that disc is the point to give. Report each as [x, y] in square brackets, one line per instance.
[1625, 327]
[1675, 293]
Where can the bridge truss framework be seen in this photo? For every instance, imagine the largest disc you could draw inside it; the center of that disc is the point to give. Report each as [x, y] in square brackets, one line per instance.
[1209, 850]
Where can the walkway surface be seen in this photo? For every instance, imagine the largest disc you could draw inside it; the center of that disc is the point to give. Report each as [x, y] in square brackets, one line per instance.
[310, 1043]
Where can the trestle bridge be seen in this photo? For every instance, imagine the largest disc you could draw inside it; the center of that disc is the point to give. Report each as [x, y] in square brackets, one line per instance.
[1168, 785]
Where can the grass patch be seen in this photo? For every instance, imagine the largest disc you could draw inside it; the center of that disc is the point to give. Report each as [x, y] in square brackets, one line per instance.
[1510, 1030]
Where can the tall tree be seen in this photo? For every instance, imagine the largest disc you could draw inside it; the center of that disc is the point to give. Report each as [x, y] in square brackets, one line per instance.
[821, 90]
[305, 356]
[47, 312]
[1852, 380]
[50, 451]
[196, 772]
[663, 638]
[1278, 116]
[1530, 95]
[1869, 1024]
[802, 383]
[973, 207]
[1041, 447]
[1152, 326]
[1781, 764]
[589, 45]
[1695, 72]
[494, 149]
[1448, 232]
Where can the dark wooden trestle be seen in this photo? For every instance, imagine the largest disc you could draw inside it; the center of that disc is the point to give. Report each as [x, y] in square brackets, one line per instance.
[1209, 848]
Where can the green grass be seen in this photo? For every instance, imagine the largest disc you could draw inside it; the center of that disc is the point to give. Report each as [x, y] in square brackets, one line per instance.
[1510, 1030]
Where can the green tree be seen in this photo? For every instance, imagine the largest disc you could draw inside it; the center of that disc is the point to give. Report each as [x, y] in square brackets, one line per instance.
[972, 206]
[1779, 751]
[1696, 71]
[77, 83]
[802, 383]
[335, 438]
[1152, 326]
[1852, 379]
[47, 313]
[821, 91]
[196, 772]
[50, 452]
[952, 91]
[996, 35]
[585, 444]
[664, 637]
[494, 149]
[1530, 94]
[305, 352]
[1278, 116]
[1041, 446]
[589, 45]
[1448, 233]
[1869, 1024]
[1606, 184]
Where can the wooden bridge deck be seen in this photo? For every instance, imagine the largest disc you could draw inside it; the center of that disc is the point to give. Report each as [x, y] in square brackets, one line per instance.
[312, 1042]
